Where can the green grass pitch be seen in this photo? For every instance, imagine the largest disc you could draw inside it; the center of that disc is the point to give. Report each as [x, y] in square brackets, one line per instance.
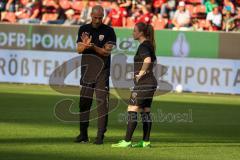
[30, 131]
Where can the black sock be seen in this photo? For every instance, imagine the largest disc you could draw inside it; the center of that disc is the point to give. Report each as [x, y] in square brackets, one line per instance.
[84, 128]
[132, 124]
[147, 125]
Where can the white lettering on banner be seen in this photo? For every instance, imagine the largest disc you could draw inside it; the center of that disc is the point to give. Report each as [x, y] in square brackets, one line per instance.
[50, 41]
[3, 39]
[12, 38]
[35, 66]
[21, 40]
[194, 74]
[36, 40]
[203, 75]
[47, 41]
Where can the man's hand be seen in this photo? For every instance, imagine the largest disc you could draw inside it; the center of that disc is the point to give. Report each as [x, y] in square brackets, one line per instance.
[86, 42]
[137, 77]
[86, 39]
[108, 47]
[82, 46]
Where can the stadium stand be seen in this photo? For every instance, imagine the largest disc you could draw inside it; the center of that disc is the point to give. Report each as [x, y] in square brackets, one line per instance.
[159, 13]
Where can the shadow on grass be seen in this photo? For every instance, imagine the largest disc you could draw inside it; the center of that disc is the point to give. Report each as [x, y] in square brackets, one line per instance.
[201, 142]
[7, 155]
[215, 123]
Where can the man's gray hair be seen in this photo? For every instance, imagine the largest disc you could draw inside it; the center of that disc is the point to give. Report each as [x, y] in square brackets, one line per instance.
[97, 9]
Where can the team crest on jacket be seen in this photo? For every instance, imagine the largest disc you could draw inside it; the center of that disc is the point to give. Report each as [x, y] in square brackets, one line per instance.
[101, 37]
[134, 95]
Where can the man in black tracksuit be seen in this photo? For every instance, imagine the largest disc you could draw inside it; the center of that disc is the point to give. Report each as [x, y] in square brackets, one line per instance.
[95, 42]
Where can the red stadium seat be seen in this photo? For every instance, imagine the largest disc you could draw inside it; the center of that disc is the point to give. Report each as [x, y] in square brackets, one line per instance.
[49, 17]
[92, 3]
[195, 1]
[106, 4]
[65, 4]
[78, 5]
[48, 3]
[24, 2]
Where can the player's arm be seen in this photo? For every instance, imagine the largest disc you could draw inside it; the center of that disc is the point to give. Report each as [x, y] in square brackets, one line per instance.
[109, 45]
[146, 63]
[105, 51]
[107, 20]
[174, 21]
[81, 47]
[126, 4]
[8, 4]
[124, 22]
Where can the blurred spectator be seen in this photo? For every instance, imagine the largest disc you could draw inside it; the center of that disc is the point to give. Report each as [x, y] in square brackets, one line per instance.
[196, 25]
[237, 20]
[127, 4]
[237, 3]
[70, 20]
[50, 5]
[145, 15]
[50, 13]
[158, 22]
[168, 9]
[3, 5]
[117, 16]
[214, 19]
[228, 7]
[85, 16]
[210, 4]
[126, 13]
[55, 14]
[10, 6]
[157, 5]
[181, 19]
[65, 4]
[228, 22]
[29, 12]
[8, 9]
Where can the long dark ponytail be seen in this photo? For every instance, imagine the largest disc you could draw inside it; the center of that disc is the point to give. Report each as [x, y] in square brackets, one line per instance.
[148, 32]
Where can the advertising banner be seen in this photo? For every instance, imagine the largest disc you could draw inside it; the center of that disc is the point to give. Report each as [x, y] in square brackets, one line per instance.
[193, 74]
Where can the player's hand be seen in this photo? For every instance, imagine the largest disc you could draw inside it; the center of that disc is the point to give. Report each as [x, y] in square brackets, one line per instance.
[86, 39]
[137, 77]
[108, 47]
[86, 46]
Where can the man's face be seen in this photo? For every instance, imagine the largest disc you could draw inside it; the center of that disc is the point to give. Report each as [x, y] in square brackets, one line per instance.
[114, 5]
[215, 10]
[97, 18]
[69, 16]
[181, 8]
